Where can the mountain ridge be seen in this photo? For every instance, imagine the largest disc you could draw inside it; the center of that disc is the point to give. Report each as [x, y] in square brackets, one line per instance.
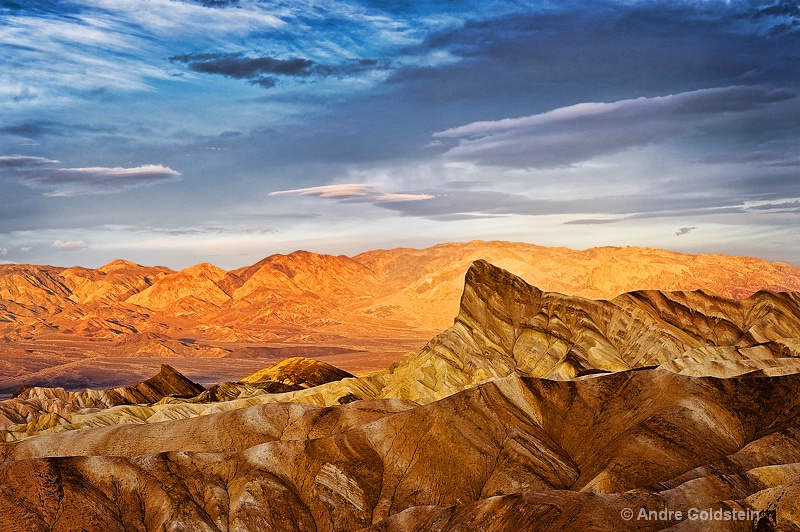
[533, 410]
[304, 290]
[382, 304]
[507, 327]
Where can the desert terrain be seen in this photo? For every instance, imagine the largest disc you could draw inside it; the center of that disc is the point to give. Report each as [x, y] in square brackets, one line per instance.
[468, 386]
[77, 327]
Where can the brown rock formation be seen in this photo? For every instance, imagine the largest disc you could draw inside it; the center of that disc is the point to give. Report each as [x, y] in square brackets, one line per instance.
[298, 371]
[513, 454]
[32, 403]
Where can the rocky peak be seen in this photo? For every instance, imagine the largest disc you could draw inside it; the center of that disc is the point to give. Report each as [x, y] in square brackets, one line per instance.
[298, 371]
[504, 326]
[206, 285]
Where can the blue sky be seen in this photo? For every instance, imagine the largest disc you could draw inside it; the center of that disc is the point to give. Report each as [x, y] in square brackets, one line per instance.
[177, 132]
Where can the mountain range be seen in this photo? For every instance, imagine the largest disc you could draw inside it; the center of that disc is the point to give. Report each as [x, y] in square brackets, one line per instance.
[361, 313]
[533, 410]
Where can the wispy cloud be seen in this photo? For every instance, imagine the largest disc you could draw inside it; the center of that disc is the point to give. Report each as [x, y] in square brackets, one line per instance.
[593, 221]
[70, 245]
[403, 197]
[24, 161]
[42, 173]
[329, 191]
[684, 230]
[355, 192]
[576, 133]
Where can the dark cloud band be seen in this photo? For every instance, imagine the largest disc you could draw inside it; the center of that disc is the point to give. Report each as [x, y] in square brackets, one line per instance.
[263, 70]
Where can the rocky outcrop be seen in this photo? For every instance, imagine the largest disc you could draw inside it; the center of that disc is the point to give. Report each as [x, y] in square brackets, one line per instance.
[298, 371]
[38, 407]
[506, 326]
[288, 375]
[529, 454]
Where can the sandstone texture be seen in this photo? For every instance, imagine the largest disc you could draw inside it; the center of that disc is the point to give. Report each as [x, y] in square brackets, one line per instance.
[515, 454]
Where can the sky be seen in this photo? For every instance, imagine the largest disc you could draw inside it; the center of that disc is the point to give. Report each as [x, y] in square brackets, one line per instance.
[178, 132]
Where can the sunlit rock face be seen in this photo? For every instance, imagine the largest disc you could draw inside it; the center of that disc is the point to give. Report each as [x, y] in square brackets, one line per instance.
[309, 297]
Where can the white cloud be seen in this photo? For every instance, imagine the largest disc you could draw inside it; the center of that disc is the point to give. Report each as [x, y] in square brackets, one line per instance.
[577, 133]
[169, 18]
[329, 191]
[361, 193]
[402, 197]
[72, 244]
[24, 161]
[3, 251]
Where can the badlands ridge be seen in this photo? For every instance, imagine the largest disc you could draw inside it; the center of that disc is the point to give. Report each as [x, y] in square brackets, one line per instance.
[534, 409]
[111, 326]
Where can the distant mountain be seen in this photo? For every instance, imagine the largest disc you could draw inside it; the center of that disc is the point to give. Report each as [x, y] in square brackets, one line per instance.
[308, 297]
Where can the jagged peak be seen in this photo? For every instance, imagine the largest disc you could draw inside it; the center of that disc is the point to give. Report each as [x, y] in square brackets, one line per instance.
[168, 374]
[484, 277]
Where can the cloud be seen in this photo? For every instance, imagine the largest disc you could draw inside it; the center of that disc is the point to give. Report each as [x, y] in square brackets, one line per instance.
[576, 133]
[786, 206]
[684, 230]
[240, 67]
[216, 3]
[355, 193]
[593, 221]
[329, 191]
[262, 70]
[73, 244]
[403, 197]
[39, 172]
[23, 161]
[3, 252]
[443, 205]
